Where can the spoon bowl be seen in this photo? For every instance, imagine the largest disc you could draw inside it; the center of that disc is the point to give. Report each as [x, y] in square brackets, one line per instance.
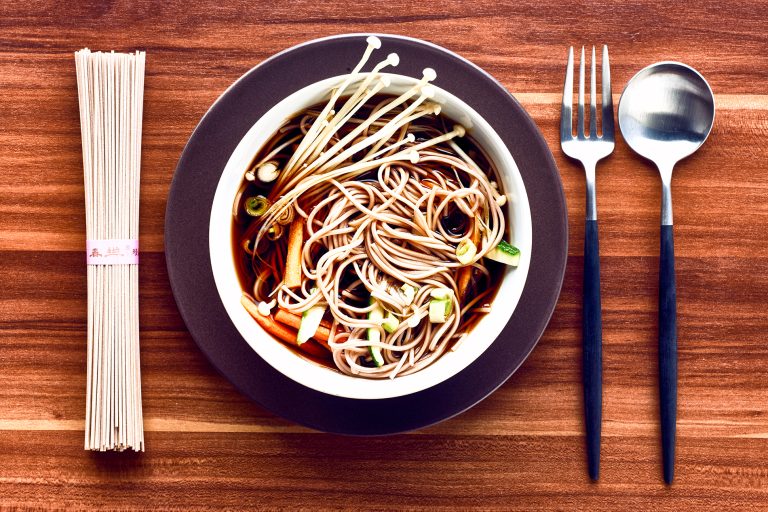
[666, 112]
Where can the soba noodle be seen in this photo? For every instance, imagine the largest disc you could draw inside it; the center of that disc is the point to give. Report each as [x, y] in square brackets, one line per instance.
[375, 200]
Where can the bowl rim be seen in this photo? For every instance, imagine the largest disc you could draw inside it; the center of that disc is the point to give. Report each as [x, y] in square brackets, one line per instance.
[327, 380]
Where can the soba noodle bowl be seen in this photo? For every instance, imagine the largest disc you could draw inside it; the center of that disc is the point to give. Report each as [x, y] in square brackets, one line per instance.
[369, 230]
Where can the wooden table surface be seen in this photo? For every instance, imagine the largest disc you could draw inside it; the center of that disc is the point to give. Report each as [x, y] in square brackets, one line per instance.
[523, 447]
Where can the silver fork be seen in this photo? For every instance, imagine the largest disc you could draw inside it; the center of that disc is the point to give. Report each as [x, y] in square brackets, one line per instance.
[589, 149]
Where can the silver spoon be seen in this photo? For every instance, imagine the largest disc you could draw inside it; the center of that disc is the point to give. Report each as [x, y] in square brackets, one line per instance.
[665, 114]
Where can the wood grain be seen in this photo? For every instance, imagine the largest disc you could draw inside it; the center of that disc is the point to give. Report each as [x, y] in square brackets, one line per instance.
[522, 448]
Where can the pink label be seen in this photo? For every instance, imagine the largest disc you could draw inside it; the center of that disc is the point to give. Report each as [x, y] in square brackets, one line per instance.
[112, 252]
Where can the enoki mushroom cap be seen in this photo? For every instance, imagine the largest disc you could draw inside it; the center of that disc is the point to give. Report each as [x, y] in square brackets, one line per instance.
[434, 108]
[374, 42]
[393, 59]
[428, 91]
[430, 74]
[268, 172]
[460, 130]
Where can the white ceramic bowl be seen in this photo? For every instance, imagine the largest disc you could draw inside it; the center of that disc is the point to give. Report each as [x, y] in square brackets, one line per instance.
[324, 379]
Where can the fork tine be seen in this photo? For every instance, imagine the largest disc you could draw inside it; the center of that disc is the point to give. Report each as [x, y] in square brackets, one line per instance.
[593, 100]
[607, 121]
[580, 111]
[566, 120]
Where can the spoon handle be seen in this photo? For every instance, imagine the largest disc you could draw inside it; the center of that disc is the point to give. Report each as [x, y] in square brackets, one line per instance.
[592, 339]
[667, 351]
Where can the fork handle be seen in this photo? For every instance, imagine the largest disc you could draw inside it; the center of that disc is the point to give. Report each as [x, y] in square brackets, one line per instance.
[667, 351]
[592, 339]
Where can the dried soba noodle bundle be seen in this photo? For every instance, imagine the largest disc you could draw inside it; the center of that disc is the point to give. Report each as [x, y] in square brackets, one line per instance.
[111, 90]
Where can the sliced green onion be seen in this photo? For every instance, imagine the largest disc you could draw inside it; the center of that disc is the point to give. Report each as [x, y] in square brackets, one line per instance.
[275, 231]
[505, 253]
[441, 293]
[466, 251]
[376, 315]
[390, 323]
[439, 310]
[256, 206]
[441, 305]
[310, 321]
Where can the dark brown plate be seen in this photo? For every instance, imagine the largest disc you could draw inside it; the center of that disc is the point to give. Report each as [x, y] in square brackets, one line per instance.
[189, 266]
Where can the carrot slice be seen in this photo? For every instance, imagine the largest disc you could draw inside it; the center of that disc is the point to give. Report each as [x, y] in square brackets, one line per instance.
[313, 348]
[281, 331]
[293, 255]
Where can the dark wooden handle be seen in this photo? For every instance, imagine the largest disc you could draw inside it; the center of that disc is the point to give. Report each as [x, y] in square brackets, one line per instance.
[668, 351]
[593, 353]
